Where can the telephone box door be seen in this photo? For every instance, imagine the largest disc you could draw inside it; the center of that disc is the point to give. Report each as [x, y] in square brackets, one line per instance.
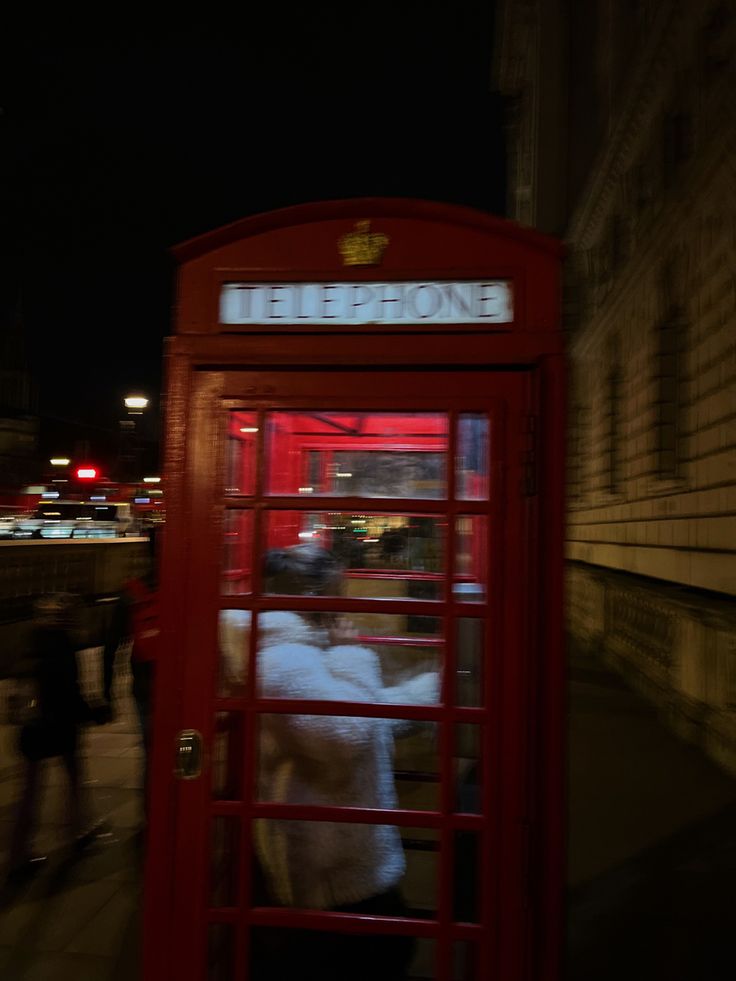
[358, 798]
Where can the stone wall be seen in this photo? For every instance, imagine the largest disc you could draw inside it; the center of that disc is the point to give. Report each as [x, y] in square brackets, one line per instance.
[653, 346]
[651, 538]
[677, 646]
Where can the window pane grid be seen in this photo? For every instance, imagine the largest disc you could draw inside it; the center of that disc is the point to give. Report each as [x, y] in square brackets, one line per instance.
[453, 608]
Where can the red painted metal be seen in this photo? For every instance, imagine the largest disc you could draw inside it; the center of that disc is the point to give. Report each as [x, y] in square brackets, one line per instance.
[224, 380]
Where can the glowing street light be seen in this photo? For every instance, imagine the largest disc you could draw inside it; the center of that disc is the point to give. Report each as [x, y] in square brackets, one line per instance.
[60, 461]
[135, 402]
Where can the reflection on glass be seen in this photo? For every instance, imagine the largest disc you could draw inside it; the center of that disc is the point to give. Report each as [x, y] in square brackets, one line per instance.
[347, 761]
[234, 650]
[419, 888]
[470, 662]
[277, 952]
[227, 756]
[360, 657]
[376, 473]
[384, 556]
[322, 864]
[467, 854]
[238, 550]
[423, 963]
[357, 454]
[241, 453]
[471, 558]
[220, 952]
[464, 961]
[467, 767]
[417, 768]
[224, 862]
[472, 457]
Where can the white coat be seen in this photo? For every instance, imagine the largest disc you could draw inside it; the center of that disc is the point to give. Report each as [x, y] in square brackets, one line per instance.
[327, 760]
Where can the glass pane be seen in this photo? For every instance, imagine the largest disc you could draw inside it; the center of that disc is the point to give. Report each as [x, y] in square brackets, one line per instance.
[284, 953]
[227, 756]
[469, 655]
[464, 961]
[347, 762]
[472, 457]
[224, 862]
[467, 765]
[466, 906]
[420, 885]
[220, 952]
[328, 865]
[360, 657]
[422, 966]
[241, 453]
[234, 648]
[238, 551]
[357, 454]
[471, 559]
[382, 556]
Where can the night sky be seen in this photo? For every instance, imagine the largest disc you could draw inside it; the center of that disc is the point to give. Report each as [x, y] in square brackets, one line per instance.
[120, 145]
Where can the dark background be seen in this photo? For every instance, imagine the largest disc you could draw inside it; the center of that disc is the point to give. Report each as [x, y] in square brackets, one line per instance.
[123, 142]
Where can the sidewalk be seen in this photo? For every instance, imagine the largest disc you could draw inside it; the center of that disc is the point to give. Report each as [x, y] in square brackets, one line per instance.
[652, 853]
[77, 920]
[652, 843]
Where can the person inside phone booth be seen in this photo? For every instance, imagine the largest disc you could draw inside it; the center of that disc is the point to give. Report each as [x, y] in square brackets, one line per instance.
[332, 761]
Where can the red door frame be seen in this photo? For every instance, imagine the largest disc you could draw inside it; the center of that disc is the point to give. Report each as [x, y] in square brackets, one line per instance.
[432, 242]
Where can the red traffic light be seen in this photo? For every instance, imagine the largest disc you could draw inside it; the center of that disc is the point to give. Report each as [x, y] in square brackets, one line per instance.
[86, 473]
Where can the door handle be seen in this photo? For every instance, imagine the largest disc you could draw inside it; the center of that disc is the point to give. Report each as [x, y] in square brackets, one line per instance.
[188, 764]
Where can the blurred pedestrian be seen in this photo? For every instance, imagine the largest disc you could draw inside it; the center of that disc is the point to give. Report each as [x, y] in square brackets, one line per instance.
[135, 621]
[55, 712]
[394, 543]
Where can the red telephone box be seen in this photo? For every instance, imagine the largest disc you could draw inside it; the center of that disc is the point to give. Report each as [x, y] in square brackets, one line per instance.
[364, 776]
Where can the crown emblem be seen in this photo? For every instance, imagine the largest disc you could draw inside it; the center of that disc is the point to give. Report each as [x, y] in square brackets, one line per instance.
[362, 247]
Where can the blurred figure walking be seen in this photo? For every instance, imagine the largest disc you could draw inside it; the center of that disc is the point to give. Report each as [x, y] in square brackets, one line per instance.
[55, 711]
[135, 621]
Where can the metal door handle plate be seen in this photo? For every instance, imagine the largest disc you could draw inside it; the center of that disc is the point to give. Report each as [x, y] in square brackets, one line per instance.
[188, 764]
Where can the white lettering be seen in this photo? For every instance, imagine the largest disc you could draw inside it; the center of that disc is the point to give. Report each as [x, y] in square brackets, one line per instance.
[485, 297]
[388, 311]
[457, 300]
[328, 299]
[367, 303]
[424, 305]
[272, 300]
[296, 304]
[356, 302]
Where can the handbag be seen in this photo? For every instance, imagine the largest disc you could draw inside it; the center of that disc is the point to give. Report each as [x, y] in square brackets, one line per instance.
[21, 702]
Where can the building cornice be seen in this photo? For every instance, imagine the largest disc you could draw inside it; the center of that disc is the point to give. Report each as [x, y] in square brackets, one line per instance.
[673, 228]
[633, 120]
[515, 23]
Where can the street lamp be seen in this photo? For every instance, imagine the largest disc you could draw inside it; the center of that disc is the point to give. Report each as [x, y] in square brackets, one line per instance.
[58, 471]
[130, 449]
[135, 404]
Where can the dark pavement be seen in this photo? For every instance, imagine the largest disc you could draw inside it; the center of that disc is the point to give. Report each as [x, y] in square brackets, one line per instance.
[77, 919]
[652, 843]
[651, 853]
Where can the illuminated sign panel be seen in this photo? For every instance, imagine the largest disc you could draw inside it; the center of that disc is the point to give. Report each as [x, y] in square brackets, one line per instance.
[488, 302]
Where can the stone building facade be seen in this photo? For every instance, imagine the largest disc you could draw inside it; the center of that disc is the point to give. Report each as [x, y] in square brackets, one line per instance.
[622, 139]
